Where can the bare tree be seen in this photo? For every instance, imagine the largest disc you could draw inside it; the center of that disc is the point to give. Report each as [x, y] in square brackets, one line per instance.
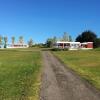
[21, 41]
[5, 41]
[65, 37]
[30, 42]
[54, 39]
[70, 39]
[13, 40]
[0, 39]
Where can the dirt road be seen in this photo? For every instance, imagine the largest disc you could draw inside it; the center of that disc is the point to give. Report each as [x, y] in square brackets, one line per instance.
[60, 83]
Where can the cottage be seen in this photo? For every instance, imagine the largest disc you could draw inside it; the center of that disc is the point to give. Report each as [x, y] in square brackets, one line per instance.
[73, 45]
[17, 46]
[14, 46]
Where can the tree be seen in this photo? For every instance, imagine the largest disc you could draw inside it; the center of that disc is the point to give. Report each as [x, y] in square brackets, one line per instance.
[49, 42]
[13, 40]
[79, 38]
[0, 39]
[21, 40]
[5, 42]
[87, 36]
[70, 39]
[30, 42]
[65, 37]
[54, 40]
[97, 43]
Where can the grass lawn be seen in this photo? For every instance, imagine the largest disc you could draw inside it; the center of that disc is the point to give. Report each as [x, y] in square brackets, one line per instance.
[85, 63]
[19, 74]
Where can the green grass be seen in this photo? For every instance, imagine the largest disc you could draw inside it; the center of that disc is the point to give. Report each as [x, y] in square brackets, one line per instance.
[97, 49]
[19, 74]
[85, 63]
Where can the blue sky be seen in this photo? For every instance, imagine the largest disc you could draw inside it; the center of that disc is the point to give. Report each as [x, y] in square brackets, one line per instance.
[40, 19]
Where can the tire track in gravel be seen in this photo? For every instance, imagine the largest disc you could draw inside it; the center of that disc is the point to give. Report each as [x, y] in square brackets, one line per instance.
[60, 83]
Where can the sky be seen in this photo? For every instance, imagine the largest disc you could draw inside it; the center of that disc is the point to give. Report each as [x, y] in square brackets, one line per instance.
[42, 19]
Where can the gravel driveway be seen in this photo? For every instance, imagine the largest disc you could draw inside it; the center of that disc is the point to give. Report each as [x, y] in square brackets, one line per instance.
[60, 83]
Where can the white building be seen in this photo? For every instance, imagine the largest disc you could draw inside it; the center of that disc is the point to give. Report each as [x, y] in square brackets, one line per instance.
[73, 45]
[15, 46]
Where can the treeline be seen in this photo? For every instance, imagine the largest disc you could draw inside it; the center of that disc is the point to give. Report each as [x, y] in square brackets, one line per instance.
[51, 41]
[89, 36]
[4, 41]
[86, 36]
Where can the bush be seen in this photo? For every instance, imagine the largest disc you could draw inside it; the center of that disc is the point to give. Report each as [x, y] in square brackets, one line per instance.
[56, 49]
[65, 49]
[60, 49]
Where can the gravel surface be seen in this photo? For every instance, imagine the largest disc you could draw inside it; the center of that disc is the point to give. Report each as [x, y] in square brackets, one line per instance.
[60, 83]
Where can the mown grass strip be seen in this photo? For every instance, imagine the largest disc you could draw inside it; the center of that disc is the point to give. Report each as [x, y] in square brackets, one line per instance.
[19, 74]
[85, 63]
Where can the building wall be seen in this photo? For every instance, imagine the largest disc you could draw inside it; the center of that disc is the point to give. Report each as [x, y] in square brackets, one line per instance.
[90, 45]
[74, 45]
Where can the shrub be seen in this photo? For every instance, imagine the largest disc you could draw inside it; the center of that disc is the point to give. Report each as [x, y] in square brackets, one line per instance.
[60, 49]
[56, 49]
